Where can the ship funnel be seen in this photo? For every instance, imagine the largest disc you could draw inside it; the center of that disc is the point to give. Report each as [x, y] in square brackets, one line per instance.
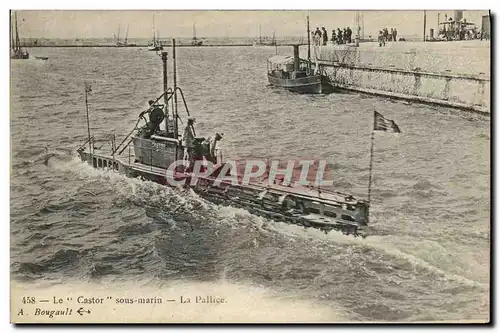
[296, 59]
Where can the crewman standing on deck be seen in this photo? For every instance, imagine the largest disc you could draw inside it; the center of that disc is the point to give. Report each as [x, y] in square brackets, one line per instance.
[188, 141]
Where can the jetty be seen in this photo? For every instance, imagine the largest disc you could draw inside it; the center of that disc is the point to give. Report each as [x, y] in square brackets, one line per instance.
[451, 74]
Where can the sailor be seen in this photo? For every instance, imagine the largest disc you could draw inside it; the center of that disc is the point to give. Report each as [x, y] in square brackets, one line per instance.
[156, 116]
[188, 141]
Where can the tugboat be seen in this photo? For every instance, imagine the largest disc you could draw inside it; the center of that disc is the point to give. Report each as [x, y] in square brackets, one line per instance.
[17, 51]
[297, 74]
[159, 155]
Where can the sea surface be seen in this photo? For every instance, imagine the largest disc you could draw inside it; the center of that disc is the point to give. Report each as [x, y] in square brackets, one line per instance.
[429, 256]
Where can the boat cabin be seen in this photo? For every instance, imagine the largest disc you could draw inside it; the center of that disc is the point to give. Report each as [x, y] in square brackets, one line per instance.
[288, 67]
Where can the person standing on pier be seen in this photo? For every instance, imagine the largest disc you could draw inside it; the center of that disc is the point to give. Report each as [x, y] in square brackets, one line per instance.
[334, 37]
[349, 35]
[395, 35]
[339, 36]
[325, 35]
[317, 37]
[385, 33]
[381, 39]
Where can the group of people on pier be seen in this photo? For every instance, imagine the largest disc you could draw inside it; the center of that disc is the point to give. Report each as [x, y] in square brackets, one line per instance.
[385, 36]
[339, 36]
[342, 36]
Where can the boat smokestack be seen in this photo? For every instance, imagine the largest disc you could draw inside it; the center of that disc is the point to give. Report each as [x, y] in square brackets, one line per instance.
[296, 59]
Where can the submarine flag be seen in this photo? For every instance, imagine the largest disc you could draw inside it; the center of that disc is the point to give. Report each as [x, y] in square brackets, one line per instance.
[383, 124]
[380, 123]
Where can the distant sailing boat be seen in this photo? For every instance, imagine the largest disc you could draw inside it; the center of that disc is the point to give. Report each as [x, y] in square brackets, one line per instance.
[125, 41]
[155, 45]
[265, 42]
[118, 41]
[17, 51]
[195, 41]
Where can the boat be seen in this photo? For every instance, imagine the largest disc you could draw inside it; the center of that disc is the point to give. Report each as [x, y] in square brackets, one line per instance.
[296, 74]
[195, 41]
[124, 43]
[41, 58]
[17, 52]
[266, 41]
[155, 45]
[156, 148]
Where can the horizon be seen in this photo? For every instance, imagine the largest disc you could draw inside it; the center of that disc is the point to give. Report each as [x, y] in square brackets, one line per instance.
[87, 24]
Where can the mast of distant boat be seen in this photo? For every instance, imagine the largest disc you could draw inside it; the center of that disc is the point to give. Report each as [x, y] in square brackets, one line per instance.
[12, 41]
[154, 31]
[17, 44]
[118, 35]
[308, 44]
[126, 37]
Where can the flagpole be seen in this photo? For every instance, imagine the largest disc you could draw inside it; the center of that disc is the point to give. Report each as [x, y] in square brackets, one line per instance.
[371, 166]
[88, 120]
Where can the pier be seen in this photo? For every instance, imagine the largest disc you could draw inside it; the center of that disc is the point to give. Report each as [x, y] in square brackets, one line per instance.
[446, 73]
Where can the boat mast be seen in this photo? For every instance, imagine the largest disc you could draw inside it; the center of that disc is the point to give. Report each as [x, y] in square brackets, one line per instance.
[11, 34]
[362, 26]
[174, 111]
[194, 31]
[118, 35]
[308, 43]
[154, 31]
[164, 58]
[17, 44]
[126, 35]
[260, 34]
[358, 23]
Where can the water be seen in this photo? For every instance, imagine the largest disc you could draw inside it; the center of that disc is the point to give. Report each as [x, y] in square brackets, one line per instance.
[429, 258]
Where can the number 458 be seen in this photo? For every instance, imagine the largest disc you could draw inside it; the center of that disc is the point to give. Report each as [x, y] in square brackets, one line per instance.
[28, 300]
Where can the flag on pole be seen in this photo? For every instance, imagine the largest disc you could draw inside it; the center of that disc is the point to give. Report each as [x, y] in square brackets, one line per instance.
[383, 124]
[88, 87]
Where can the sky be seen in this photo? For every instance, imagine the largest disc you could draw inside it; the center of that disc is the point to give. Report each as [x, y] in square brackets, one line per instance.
[105, 23]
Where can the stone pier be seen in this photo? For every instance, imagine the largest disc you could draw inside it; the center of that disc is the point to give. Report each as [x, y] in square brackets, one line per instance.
[453, 74]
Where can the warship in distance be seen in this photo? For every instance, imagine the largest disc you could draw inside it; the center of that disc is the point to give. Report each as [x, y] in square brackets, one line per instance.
[156, 149]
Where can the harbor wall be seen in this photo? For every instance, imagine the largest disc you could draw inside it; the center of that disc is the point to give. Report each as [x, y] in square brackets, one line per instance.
[446, 74]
